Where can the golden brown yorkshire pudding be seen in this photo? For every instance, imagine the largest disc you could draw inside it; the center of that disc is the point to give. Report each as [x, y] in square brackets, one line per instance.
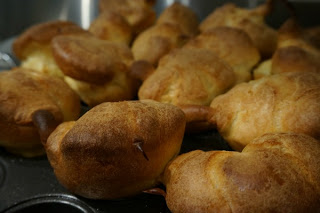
[116, 149]
[139, 13]
[181, 16]
[112, 27]
[188, 76]
[298, 51]
[286, 102]
[232, 45]
[155, 42]
[22, 94]
[96, 69]
[252, 21]
[33, 47]
[175, 25]
[275, 173]
[90, 59]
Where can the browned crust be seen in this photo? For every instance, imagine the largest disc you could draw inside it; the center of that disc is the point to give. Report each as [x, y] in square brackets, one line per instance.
[106, 143]
[112, 27]
[276, 172]
[155, 42]
[89, 59]
[181, 16]
[231, 44]
[251, 21]
[286, 102]
[139, 13]
[188, 76]
[45, 123]
[197, 113]
[141, 70]
[295, 59]
[23, 92]
[198, 118]
[43, 33]
[290, 29]
[297, 50]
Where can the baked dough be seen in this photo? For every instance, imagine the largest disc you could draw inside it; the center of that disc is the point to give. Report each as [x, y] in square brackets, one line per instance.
[275, 173]
[188, 76]
[252, 21]
[286, 102]
[116, 149]
[157, 41]
[24, 92]
[181, 16]
[139, 13]
[298, 51]
[112, 27]
[33, 46]
[97, 70]
[232, 45]
[175, 25]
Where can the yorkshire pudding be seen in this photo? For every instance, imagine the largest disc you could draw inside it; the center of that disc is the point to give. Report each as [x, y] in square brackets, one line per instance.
[188, 76]
[252, 21]
[182, 17]
[232, 45]
[285, 102]
[274, 173]
[116, 149]
[175, 25]
[33, 46]
[157, 41]
[22, 94]
[138, 13]
[97, 70]
[112, 27]
[298, 50]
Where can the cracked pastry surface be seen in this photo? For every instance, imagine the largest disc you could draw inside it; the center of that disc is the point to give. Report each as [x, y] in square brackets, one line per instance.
[188, 76]
[23, 92]
[275, 172]
[233, 46]
[116, 149]
[286, 102]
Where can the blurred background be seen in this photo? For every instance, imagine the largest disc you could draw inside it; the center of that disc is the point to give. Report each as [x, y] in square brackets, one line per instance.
[17, 15]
